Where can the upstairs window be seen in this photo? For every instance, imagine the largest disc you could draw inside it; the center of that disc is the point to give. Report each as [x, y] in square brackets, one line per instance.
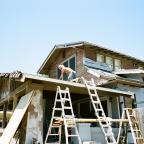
[100, 58]
[109, 61]
[117, 64]
[70, 62]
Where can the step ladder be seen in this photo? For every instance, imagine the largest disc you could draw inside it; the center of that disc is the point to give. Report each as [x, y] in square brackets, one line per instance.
[62, 112]
[134, 126]
[128, 113]
[104, 122]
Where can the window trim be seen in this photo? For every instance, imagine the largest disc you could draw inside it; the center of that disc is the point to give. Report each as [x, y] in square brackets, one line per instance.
[112, 66]
[115, 63]
[99, 54]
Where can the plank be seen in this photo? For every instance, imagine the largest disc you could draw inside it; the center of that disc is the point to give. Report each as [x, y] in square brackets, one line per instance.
[16, 118]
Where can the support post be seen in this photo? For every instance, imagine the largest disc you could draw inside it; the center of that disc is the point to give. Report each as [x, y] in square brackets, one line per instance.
[4, 120]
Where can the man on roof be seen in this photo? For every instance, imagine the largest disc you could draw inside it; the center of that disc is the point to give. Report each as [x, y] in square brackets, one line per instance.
[68, 71]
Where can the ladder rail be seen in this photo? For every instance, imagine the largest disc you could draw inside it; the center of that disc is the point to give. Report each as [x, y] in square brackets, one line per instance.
[52, 119]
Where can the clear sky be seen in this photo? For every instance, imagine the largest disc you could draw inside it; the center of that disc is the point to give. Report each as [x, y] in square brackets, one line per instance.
[30, 28]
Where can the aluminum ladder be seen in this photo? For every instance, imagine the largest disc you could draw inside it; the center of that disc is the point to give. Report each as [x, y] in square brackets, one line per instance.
[63, 113]
[134, 126]
[104, 122]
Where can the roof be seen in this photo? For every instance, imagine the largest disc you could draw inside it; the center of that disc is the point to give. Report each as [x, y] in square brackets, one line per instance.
[105, 78]
[73, 84]
[51, 84]
[129, 71]
[82, 43]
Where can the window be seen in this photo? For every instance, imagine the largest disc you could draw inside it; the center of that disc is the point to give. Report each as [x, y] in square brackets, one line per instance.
[117, 64]
[100, 58]
[70, 62]
[109, 61]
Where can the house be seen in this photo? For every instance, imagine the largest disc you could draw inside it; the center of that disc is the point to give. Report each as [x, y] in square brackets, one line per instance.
[32, 96]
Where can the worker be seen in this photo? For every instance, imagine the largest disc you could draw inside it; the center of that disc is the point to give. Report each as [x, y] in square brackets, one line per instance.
[68, 71]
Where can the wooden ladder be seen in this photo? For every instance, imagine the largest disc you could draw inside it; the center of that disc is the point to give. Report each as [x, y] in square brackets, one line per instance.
[134, 126]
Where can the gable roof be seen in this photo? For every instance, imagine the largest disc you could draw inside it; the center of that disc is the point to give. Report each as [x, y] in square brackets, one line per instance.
[58, 47]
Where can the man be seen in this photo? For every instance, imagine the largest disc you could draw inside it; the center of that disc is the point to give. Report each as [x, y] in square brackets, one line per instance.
[68, 71]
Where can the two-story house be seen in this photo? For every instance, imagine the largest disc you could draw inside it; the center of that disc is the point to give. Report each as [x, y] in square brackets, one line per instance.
[118, 86]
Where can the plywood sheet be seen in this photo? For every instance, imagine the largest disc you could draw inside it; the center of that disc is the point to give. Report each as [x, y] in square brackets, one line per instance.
[16, 118]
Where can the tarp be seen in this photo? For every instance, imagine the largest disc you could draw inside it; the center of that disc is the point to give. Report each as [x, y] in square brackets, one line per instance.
[16, 118]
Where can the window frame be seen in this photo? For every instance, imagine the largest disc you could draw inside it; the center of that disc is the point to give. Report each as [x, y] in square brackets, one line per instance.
[116, 66]
[101, 55]
[110, 65]
[68, 60]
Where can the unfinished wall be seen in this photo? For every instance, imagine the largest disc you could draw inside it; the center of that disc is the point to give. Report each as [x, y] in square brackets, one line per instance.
[35, 119]
[139, 93]
[5, 88]
[140, 117]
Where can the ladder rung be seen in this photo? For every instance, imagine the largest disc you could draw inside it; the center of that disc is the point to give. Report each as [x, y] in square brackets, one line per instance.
[55, 126]
[93, 95]
[71, 126]
[69, 116]
[72, 135]
[139, 138]
[63, 91]
[132, 116]
[57, 117]
[96, 102]
[136, 130]
[99, 109]
[66, 99]
[53, 143]
[108, 134]
[67, 108]
[57, 108]
[53, 134]
[105, 126]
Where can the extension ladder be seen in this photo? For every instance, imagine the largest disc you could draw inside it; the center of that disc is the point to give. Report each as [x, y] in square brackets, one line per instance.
[103, 120]
[62, 111]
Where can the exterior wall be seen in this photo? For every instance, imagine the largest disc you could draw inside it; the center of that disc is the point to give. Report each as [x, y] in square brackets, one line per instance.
[68, 53]
[5, 89]
[88, 53]
[140, 116]
[35, 119]
[139, 93]
[127, 64]
[93, 134]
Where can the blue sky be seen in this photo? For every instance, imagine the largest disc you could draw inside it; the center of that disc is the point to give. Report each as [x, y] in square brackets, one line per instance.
[30, 28]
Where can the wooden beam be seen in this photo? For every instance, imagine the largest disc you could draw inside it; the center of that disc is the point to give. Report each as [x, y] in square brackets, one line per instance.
[4, 120]
[84, 120]
[14, 93]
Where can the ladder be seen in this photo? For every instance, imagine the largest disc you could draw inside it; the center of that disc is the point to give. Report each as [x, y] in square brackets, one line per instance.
[99, 112]
[62, 112]
[134, 126]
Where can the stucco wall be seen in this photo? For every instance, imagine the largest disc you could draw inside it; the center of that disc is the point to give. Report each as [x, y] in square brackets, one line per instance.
[35, 119]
